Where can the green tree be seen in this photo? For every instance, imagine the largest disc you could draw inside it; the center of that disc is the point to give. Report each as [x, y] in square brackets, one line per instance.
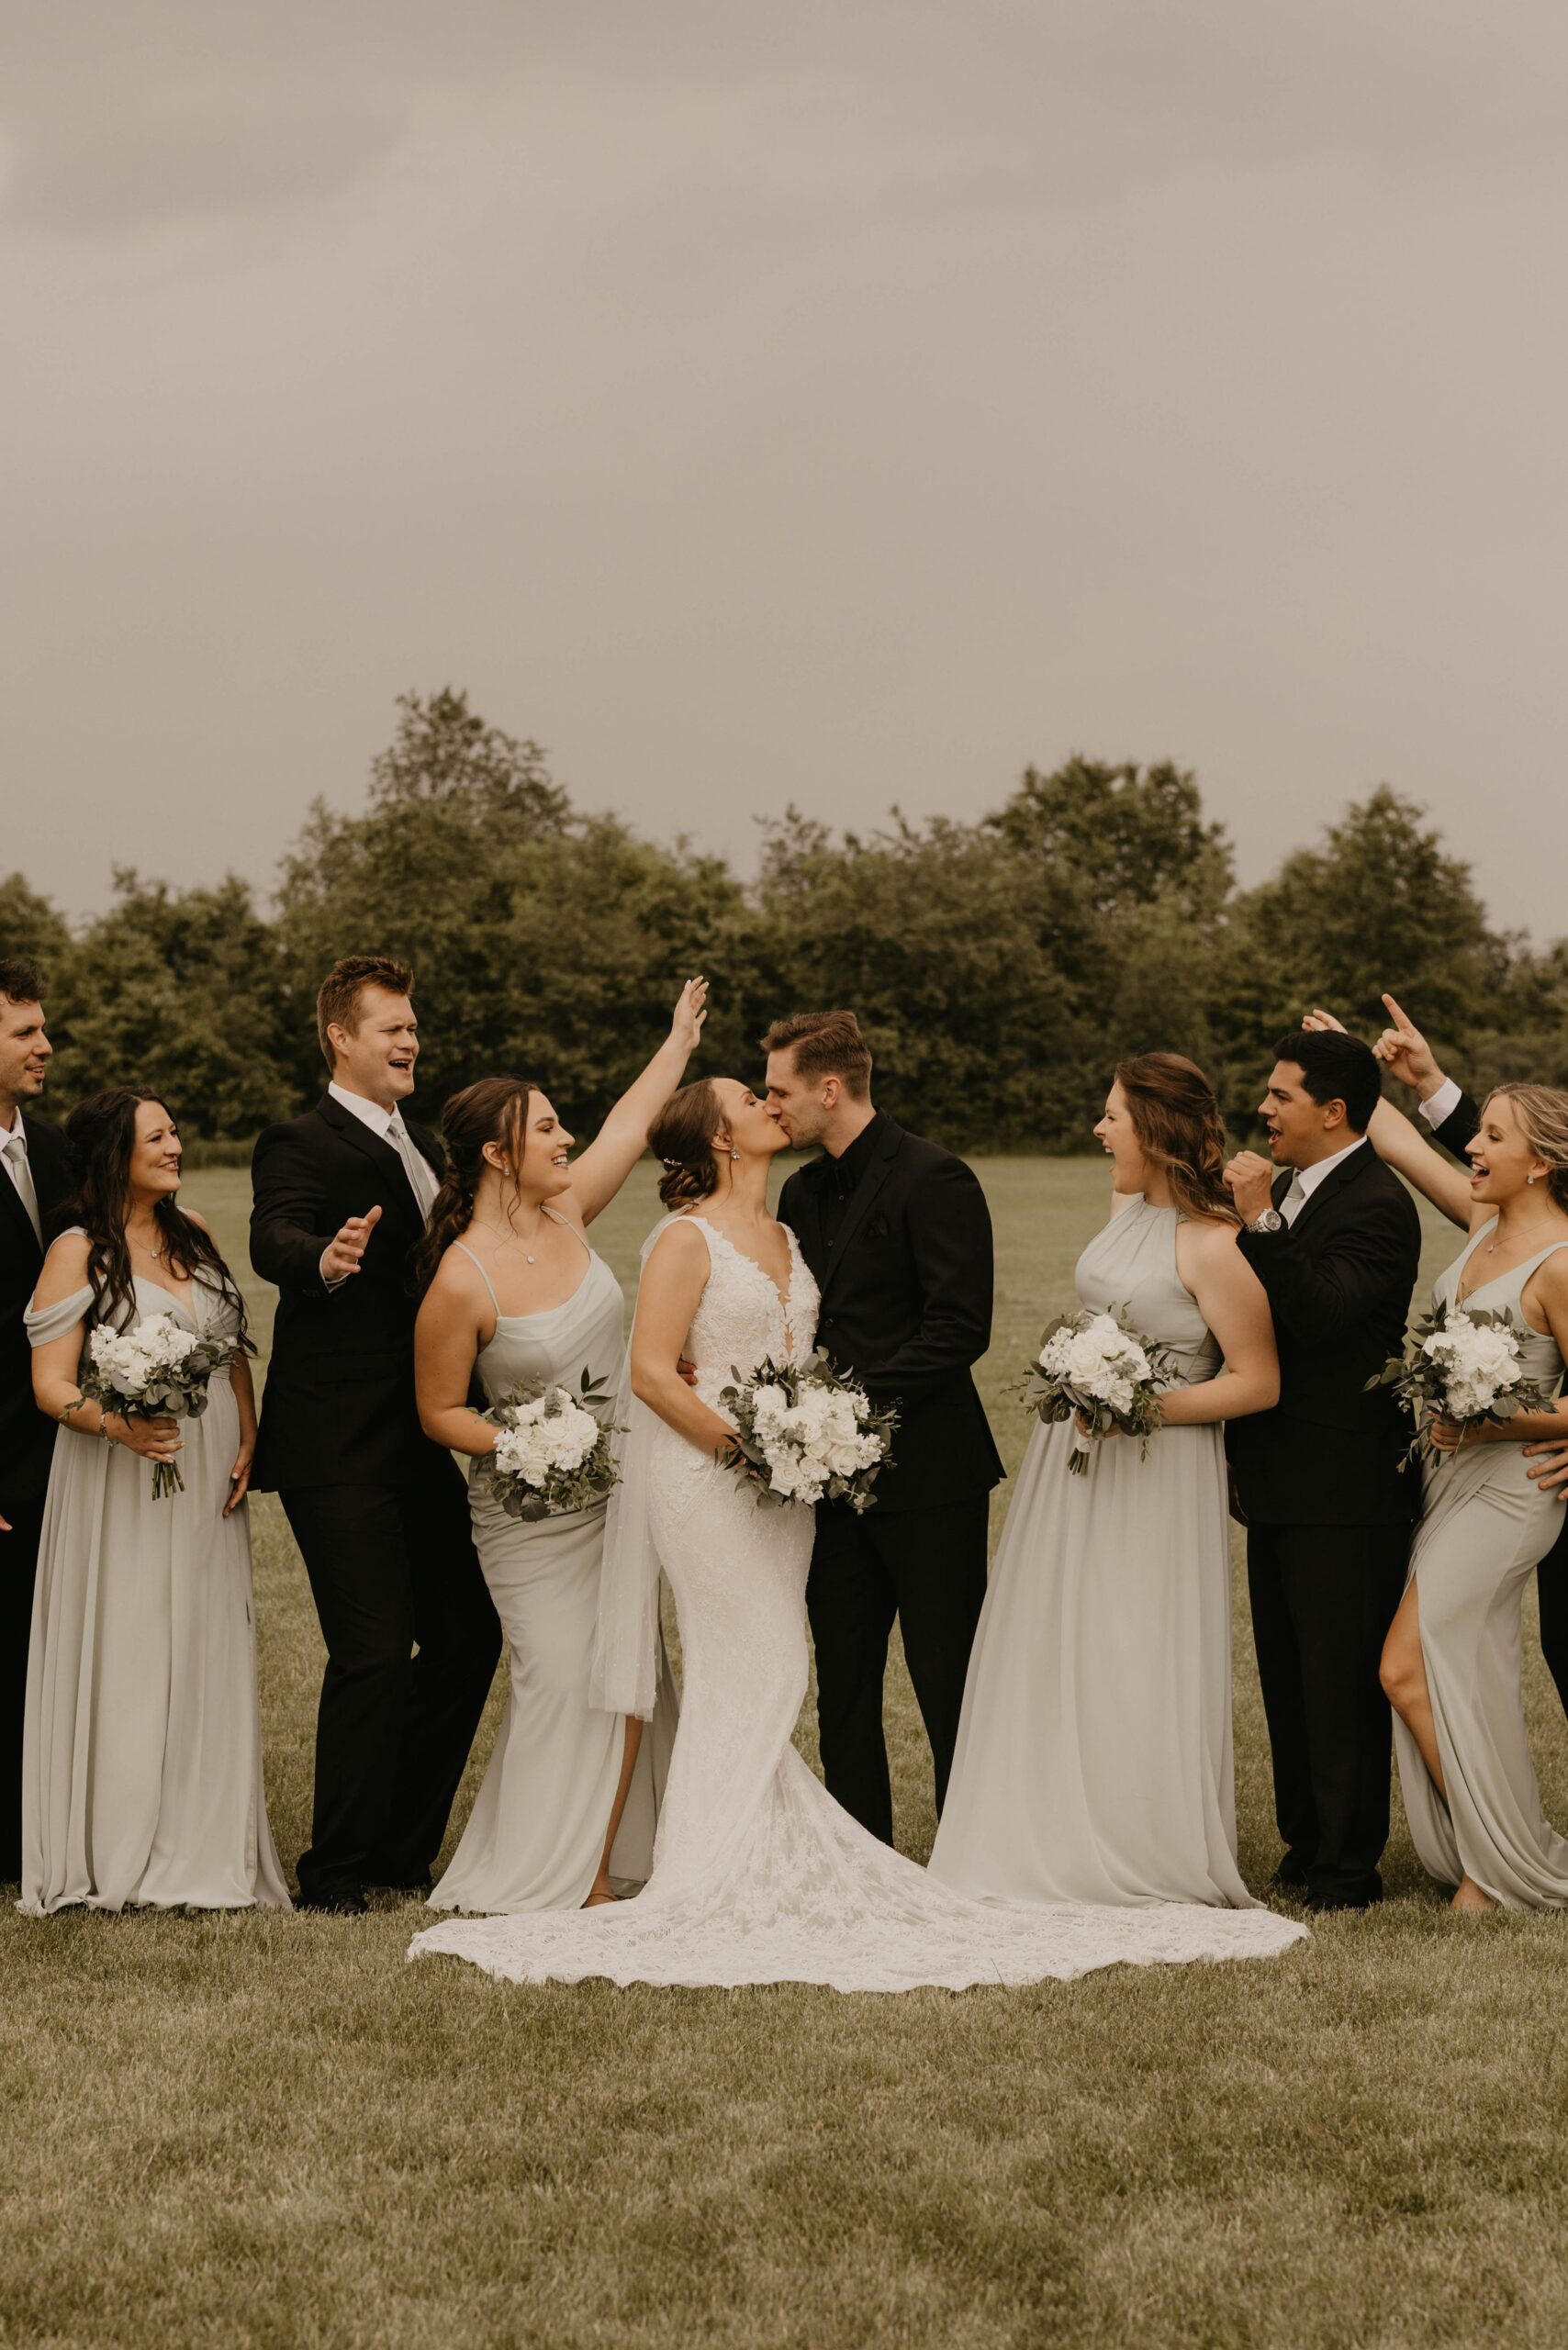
[183, 991]
[31, 928]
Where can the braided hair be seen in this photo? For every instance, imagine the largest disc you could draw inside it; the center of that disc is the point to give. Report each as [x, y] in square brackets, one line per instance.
[682, 1135]
[1177, 1121]
[493, 1110]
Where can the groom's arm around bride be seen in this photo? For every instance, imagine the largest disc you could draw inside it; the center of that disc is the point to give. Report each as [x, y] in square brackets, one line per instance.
[897, 1232]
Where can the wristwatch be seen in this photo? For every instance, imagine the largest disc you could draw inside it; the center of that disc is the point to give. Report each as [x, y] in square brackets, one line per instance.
[1269, 1221]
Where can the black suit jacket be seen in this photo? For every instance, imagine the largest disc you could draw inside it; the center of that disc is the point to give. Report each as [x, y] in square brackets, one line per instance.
[338, 1409]
[1460, 1127]
[27, 1434]
[906, 1302]
[1338, 1282]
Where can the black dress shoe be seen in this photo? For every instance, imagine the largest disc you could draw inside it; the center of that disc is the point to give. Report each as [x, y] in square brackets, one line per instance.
[1290, 1876]
[1330, 1898]
[420, 1883]
[346, 1904]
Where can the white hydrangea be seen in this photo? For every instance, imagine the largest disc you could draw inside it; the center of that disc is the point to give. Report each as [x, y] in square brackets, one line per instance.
[133, 1361]
[542, 1438]
[1479, 1360]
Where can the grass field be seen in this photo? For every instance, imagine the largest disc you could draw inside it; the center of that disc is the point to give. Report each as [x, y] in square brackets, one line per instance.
[251, 2129]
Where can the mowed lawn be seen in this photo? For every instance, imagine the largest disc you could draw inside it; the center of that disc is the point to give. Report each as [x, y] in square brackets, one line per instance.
[271, 2130]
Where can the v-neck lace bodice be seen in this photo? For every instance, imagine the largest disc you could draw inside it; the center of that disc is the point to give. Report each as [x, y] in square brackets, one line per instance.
[743, 1318]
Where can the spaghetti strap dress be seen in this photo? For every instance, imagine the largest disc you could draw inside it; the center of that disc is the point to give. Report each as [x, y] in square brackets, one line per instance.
[535, 1836]
[1484, 1527]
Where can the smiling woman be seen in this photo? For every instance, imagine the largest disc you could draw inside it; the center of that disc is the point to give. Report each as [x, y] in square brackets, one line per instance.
[141, 1751]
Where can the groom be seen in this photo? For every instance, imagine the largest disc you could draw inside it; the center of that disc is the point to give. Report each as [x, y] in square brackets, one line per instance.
[897, 1232]
[1336, 1242]
[339, 1201]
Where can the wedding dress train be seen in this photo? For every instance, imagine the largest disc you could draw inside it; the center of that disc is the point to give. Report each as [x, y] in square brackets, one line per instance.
[758, 1875]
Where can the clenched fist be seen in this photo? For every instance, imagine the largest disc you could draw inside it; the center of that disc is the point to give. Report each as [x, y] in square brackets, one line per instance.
[1251, 1182]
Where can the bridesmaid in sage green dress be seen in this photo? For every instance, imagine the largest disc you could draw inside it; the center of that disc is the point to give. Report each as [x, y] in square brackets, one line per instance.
[141, 1771]
[1451, 1662]
[566, 1813]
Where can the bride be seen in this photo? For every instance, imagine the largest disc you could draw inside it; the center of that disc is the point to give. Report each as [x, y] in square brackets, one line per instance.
[758, 1875]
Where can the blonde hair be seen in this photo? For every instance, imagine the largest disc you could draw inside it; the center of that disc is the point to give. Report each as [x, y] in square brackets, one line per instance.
[1542, 1112]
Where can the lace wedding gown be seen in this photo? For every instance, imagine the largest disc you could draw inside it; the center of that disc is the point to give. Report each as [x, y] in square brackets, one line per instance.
[758, 1875]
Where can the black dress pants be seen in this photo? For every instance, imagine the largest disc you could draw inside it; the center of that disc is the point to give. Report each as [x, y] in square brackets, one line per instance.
[1323, 1598]
[391, 1566]
[18, 1571]
[1551, 1585]
[927, 1569]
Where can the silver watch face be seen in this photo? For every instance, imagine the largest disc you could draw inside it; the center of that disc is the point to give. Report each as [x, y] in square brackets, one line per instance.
[1269, 1221]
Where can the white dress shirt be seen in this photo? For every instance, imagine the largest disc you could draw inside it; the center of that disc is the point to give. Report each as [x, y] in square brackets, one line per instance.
[13, 1158]
[1306, 1180]
[386, 1125]
[1443, 1102]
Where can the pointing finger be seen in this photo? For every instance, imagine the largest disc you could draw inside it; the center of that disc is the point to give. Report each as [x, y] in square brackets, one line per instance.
[1401, 1018]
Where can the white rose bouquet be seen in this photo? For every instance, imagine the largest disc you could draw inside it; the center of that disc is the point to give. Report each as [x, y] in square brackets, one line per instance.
[1463, 1366]
[1091, 1367]
[157, 1371]
[804, 1433]
[551, 1453]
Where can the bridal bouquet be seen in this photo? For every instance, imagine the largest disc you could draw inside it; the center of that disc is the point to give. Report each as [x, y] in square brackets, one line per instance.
[157, 1371]
[552, 1454]
[1092, 1364]
[804, 1433]
[1463, 1366]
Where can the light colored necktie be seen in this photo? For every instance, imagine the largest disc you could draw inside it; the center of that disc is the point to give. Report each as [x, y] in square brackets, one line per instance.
[1294, 1201]
[421, 1180]
[15, 1152]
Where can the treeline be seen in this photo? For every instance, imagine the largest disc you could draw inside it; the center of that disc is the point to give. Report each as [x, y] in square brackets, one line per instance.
[999, 966]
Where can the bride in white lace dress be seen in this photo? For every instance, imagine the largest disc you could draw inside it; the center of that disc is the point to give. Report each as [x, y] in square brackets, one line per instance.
[758, 1875]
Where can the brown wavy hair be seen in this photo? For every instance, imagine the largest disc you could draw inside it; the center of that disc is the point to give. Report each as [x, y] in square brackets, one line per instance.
[682, 1135]
[100, 1135]
[493, 1109]
[1542, 1112]
[1177, 1121]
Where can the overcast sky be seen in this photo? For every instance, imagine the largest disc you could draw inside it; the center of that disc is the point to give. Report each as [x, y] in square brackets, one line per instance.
[849, 402]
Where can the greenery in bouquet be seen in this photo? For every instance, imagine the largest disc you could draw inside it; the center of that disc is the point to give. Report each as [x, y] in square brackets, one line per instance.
[553, 1452]
[1106, 1378]
[805, 1433]
[157, 1369]
[1462, 1365]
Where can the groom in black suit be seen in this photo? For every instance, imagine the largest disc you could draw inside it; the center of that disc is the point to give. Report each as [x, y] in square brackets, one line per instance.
[34, 1181]
[1336, 1243]
[1455, 1120]
[340, 1201]
[897, 1232]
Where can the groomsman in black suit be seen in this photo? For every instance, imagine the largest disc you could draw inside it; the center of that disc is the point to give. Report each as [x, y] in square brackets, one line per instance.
[341, 1197]
[1336, 1242]
[1455, 1120]
[897, 1232]
[34, 1184]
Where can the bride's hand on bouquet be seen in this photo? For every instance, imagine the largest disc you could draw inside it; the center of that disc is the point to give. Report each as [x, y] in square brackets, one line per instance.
[690, 1012]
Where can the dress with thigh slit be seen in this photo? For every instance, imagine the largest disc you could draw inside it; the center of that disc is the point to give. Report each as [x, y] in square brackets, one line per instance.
[1484, 1527]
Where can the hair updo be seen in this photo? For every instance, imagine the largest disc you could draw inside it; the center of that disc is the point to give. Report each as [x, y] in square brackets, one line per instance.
[1543, 1113]
[682, 1135]
[1177, 1121]
[495, 1109]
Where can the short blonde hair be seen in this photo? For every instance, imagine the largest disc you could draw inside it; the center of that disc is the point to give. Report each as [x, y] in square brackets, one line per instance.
[337, 998]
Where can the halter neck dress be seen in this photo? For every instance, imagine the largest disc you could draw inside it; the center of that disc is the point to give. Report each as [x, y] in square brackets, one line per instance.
[141, 1758]
[536, 1834]
[1484, 1528]
[1094, 1759]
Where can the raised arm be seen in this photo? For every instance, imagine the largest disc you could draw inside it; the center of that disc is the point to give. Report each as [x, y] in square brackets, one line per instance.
[949, 1231]
[604, 1166]
[1232, 1301]
[1403, 1049]
[673, 1281]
